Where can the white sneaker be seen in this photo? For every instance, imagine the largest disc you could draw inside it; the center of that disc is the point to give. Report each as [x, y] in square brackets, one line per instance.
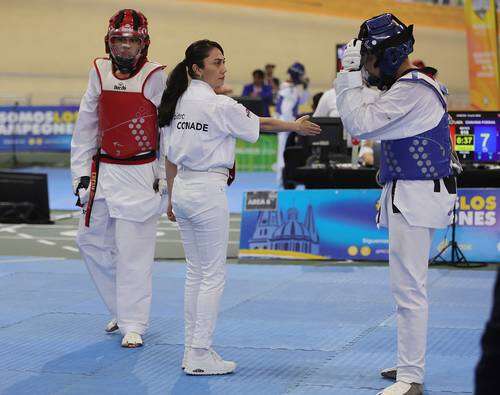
[132, 340]
[389, 373]
[112, 326]
[210, 363]
[184, 357]
[402, 388]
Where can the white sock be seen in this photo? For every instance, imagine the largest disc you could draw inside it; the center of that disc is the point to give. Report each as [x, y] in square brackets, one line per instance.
[200, 352]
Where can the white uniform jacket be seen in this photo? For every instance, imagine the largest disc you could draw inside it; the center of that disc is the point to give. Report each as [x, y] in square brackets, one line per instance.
[290, 97]
[203, 132]
[127, 189]
[405, 110]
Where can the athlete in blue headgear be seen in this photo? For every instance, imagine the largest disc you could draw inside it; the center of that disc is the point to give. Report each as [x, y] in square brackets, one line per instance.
[293, 92]
[419, 188]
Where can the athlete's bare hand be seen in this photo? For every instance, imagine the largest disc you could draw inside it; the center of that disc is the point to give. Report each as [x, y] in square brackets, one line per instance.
[306, 127]
[170, 213]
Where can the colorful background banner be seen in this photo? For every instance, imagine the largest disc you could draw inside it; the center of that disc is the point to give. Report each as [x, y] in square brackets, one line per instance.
[37, 128]
[49, 129]
[259, 156]
[482, 46]
[340, 224]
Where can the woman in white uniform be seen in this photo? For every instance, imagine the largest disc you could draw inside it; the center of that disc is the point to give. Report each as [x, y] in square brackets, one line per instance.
[201, 129]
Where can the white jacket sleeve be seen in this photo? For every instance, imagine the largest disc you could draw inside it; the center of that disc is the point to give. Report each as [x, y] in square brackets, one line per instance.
[236, 120]
[405, 110]
[85, 139]
[153, 90]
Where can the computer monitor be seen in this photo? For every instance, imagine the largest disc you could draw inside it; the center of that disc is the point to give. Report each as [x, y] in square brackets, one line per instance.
[24, 198]
[476, 136]
[254, 104]
[330, 144]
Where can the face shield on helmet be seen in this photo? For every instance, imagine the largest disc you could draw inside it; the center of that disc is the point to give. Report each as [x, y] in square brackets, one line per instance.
[389, 41]
[125, 50]
[127, 40]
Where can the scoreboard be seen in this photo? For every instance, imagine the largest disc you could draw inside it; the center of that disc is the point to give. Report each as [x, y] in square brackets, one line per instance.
[476, 136]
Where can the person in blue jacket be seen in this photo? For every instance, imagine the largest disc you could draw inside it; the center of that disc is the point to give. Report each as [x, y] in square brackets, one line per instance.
[259, 89]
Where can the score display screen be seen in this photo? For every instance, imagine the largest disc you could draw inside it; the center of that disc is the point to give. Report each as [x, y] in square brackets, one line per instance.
[476, 136]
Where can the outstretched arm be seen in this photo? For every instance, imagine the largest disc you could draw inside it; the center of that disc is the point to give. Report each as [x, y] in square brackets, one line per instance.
[301, 126]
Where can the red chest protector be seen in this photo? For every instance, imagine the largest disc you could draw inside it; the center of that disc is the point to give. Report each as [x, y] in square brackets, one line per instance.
[128, 121]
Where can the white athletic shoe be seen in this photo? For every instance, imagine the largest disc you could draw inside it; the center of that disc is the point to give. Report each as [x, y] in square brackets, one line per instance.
[402, 388]
[132, 340]
[389, 373]
[112, 326]
[184, 357]
[210, 363]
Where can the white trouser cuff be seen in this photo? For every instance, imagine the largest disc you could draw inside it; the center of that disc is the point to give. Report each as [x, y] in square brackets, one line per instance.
[124, 328]
[410, 375]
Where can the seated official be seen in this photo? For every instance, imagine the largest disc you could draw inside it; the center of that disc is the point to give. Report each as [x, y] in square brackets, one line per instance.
[259, 89]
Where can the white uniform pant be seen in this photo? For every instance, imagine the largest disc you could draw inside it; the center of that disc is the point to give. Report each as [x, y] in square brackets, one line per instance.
[119, 256]
[409, 248]
[200, 205]
[280, 158]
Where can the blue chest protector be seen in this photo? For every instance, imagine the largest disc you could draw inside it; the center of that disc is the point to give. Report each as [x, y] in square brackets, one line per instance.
[426, 156]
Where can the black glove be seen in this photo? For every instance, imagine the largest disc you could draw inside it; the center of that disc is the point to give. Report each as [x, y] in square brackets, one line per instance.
[84, 183]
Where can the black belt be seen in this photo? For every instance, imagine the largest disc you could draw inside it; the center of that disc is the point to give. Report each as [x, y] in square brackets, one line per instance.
[450, 183]
[134, 160]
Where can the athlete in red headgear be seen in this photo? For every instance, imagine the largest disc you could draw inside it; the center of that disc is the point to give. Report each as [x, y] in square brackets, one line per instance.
[117, 176]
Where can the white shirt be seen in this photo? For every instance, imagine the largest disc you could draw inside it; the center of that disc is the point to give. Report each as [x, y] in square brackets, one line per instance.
[202, 135]
[128, 189]
[327, 105]
[405, 110]
[291, 96]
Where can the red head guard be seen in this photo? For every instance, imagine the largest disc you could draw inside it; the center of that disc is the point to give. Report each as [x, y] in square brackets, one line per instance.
[123, 26]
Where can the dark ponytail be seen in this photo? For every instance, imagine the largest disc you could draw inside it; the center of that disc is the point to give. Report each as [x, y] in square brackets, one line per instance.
[178, 82]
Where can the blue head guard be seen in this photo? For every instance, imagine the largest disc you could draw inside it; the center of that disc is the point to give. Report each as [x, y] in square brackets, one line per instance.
[390, 40]
[296, 71]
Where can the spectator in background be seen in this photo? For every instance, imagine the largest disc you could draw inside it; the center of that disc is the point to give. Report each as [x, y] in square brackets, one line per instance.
[259, 89]
[293, 92]
[270, 79]
[327, 106]
[315, 100]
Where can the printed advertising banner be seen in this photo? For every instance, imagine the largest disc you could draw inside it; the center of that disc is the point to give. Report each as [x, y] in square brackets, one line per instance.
[36, 128]
[260, 156]
[340, 224]
[49, 129]
[481, 27]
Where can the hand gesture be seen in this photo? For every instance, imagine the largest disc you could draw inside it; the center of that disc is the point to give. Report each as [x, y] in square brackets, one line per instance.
[351, 61]
[306, 127]
[170, 212]
[160, 186]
